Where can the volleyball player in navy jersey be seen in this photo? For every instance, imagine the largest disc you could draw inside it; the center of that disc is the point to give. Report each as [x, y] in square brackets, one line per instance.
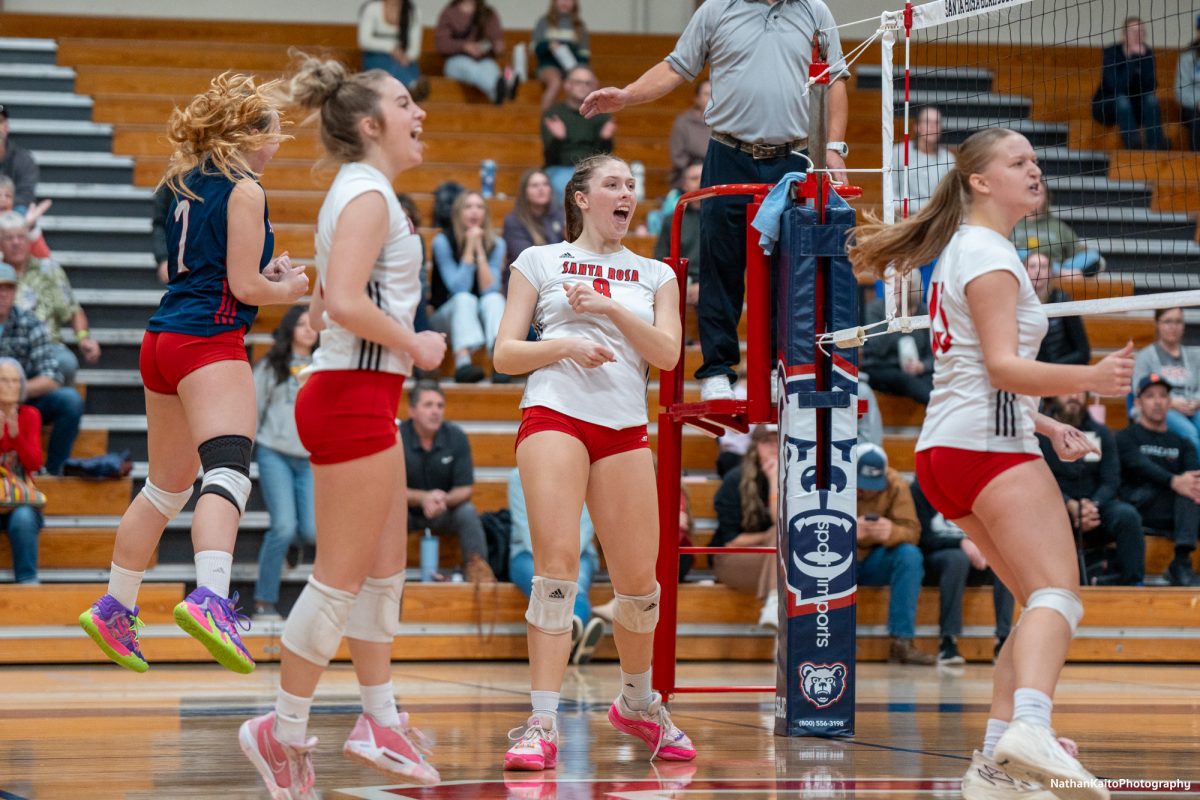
[200, 409]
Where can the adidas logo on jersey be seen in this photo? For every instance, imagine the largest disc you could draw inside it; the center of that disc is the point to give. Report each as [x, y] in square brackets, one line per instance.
[557, 594]
[565, 255]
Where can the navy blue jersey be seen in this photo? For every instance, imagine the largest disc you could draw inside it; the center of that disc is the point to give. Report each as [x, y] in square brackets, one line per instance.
[198, 301]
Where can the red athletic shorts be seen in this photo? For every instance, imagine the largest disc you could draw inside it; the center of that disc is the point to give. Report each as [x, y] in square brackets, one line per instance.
[952, 478]
[601, 442]
[167, 358]
[346, 414]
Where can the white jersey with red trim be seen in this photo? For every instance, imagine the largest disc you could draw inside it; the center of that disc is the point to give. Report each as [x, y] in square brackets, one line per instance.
[614, 394]
[965, 410]
[394, 285]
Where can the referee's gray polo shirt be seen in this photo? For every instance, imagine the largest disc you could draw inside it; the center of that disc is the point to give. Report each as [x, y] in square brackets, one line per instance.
[759, 56]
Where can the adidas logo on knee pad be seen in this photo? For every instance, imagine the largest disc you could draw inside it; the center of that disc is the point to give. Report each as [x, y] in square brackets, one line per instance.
[557, 594]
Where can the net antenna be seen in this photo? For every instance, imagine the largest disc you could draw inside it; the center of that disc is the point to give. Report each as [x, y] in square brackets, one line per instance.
[1033, 66]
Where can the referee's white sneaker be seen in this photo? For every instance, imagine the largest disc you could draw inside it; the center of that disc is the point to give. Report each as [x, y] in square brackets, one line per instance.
[716, 387]
[985, 780]
[1032, 753]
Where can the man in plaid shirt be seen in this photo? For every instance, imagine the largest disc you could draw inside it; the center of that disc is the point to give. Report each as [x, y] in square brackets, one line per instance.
[24, 338]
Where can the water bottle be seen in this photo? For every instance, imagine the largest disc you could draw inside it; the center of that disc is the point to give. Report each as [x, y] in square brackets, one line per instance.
[429, 556]
[487, 178]
[639, 180]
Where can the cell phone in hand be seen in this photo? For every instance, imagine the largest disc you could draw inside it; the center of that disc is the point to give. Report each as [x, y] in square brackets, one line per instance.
[871, 517]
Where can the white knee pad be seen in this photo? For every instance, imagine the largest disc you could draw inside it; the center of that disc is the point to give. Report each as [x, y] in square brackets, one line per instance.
[376, 613]
[226, 463]
[315, 626]
[551, 605]
[169, 504]
[1063, 601]
[638, 614]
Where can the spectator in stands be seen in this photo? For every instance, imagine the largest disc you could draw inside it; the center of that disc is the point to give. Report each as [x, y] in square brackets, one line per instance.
[468, 261]
[1126, 96]
[870, 424]
[1179, 367]
[44, 290]
[470, 37]
[37, 242]
[1066, 339]
[1090, 486]
[568, 136]
[21, 456]
[745, 506]
[284, 474]
[689, 135]
[888, 555]
[1187, 90]
[441, 478]
[689, 232]
[586, 628]
[23, 337]
[560, 42]
[757, 121]
[536, 219]
[900, 364]
[158, 229]
[952, 563]
[928, 162]
[1160, 476]
[389, 35]
[1044, 233]
[17, 163]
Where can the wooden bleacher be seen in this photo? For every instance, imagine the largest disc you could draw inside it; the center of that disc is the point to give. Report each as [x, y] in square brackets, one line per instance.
[135, 87]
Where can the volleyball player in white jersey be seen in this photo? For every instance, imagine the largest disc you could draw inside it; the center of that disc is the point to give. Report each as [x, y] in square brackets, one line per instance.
[602, 313]
[978, 460]
[368, 259]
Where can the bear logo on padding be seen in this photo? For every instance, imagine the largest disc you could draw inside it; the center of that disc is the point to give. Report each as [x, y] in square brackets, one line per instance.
[822, 684]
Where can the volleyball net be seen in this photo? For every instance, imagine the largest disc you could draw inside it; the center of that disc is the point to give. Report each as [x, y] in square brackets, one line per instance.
[1095, 86]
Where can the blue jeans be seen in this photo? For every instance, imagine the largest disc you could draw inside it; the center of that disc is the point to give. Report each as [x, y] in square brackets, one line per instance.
[520, 570]
[287, 488]
[68, 364]
[23, 524]
[559, 177]
[1185, 426]
[902, 568]
[62, 408]
[484, 74]
[391, 66]
[1141, 109]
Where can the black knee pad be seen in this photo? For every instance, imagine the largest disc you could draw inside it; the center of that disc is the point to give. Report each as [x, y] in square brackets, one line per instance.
[226, 463]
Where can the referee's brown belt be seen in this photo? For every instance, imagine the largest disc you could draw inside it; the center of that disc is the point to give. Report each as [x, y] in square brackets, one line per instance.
[758, 150]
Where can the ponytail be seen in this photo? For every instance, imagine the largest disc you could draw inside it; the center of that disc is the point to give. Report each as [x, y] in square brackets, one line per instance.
[910, 243]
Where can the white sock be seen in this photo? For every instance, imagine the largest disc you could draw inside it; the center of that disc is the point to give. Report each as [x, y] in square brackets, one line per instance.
[995, 729]
[461, 359]
[123, 585]
[213, 568]
[1032, 706]
[636, 690]
[545, 707]
[380, 702]
[291, 718]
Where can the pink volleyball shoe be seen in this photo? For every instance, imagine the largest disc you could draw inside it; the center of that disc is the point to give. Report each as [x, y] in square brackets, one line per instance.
[286, 770]
[534, 748]
[654, 727]
[399, 752]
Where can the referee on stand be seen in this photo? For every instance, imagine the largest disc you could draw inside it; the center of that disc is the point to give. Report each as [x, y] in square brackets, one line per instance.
[759, 52]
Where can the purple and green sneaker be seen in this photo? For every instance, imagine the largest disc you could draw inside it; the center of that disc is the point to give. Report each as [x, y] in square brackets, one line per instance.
[214, 620]
[114, 628]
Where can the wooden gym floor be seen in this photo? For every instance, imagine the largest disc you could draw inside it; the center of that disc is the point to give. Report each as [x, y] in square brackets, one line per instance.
[99, 732]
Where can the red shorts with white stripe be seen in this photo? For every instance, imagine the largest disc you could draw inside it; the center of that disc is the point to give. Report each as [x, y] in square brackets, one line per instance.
[951, 478]
[167, 358]
[346, 414]
[601, 442]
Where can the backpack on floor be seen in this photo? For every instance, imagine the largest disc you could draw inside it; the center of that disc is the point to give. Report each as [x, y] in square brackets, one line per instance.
[497, 533]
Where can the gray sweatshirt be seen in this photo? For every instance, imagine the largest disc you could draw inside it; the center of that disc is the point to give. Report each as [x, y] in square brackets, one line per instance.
[1187, 80]
[277, 408]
